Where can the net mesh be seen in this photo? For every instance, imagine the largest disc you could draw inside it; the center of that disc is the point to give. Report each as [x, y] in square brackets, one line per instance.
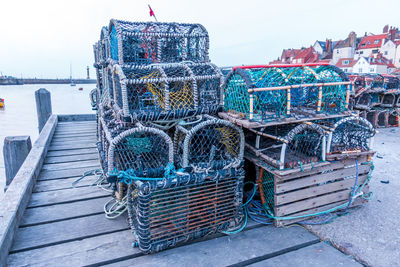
[166, 217]
[207, 142]
[153, 42]
[299, 144]
[273, 104]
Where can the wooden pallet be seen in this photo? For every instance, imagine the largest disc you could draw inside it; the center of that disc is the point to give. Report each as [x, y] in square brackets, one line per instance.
[316, 189]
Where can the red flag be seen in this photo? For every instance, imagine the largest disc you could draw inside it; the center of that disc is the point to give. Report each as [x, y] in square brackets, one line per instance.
[151, 12]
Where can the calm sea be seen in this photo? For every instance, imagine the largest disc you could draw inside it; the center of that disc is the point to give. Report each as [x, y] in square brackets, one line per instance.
[19, 116]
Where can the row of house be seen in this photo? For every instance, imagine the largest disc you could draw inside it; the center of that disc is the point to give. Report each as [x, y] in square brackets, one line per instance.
[371, 53]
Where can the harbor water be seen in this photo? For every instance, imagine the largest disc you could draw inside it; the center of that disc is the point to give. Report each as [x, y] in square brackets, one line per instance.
[19, 116]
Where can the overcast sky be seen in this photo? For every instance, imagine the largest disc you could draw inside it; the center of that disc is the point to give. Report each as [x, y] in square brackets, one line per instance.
[41, 38]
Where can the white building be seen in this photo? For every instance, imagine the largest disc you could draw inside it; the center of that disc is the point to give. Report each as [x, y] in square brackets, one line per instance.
[370, 45]
[379, 65]
[345, 48]
[346, 64]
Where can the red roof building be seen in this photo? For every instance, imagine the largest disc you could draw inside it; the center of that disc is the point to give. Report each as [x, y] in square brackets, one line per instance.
[306, 55]
[372, 41]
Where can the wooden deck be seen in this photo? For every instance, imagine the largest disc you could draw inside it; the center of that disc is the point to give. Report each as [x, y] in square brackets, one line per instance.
[65, 226]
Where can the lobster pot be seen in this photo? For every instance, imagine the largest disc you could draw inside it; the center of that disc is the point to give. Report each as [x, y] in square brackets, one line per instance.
[288, 146]
[141, 152]
[351, 134]
[385, 81]
[363, 102]
[274, 92]
[393, 118]
[166, 92]
[187, 207]
[208, 143]
[388, 100]
[291, 197]
[153, 42]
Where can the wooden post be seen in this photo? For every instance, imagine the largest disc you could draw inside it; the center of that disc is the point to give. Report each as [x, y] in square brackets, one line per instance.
[347, 96]
[15, 150]
[288, 101]
[251, 106]
[43, 107]
[319, 104]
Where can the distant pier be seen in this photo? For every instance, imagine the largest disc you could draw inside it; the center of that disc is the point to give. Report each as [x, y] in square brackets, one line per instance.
[15, 81]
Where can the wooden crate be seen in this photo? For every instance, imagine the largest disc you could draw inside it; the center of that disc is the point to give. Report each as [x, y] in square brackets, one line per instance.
[292, 193]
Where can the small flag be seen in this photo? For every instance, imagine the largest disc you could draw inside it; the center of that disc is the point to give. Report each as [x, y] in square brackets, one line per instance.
[152, 13]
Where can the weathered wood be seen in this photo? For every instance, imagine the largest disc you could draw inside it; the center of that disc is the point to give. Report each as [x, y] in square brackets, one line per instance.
[91, 138]
[57, 184]
[66, 135]
[80, 151]
[318, 190]
[61, 174]
[76, 117]
[66, 231]
[72, 158]
[327, 166]
[72, 165]
[320, 254]
[312, 203]
[228, 250]
[18, 193]
[63, 211]
[79, 253]
[91, 142]
[357, 202]
[72, 146]
[15, 151]
[349, 155]
[64, 196]
[43, 107]
[319, 178]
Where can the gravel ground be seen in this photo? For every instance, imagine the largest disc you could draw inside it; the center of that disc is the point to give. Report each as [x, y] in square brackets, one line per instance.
[371, 233]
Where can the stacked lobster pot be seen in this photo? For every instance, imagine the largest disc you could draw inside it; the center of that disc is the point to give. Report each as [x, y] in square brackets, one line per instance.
[377, 99]
[310, 153]
[176, 165]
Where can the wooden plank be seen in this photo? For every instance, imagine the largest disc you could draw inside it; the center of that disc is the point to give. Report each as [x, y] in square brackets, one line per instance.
[72, 158]
[17, 196]
[357, 202]
[320, 254]
[57, 184]
[63, 211]
[312, 203]
[72, 146]
[349, 155]
[71, 165]
[78, 253]
[80, 151]
[43, 235]
[61, 135]
[317, 190]
[76, 117]
[64, 196]
[291, 174]
[228, 250]
[76, 122]
[91, 138]
[83, 143]
[317, 179]
[51, 175]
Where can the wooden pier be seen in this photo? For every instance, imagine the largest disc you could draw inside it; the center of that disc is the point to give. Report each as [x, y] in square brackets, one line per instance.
[47, 222]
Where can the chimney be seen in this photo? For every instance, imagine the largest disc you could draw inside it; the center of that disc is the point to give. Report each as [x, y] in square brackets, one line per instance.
[353, 39]
[328, 46]
[88, 76]
[379, 56]
[392, 34]
[386, 29]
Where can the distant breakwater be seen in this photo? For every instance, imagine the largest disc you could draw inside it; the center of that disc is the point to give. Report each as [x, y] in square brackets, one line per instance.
[45, 81]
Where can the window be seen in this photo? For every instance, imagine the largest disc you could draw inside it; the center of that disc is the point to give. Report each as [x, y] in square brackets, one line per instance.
[376, 41]
[375, 51]
[346, 62]
[345, 70]
[361, 52]
[371, 69]
[337, 51]
[386, 52]
[360, 70]
[362, 45]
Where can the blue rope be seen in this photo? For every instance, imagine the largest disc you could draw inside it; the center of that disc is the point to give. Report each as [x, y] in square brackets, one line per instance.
[129, 175]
